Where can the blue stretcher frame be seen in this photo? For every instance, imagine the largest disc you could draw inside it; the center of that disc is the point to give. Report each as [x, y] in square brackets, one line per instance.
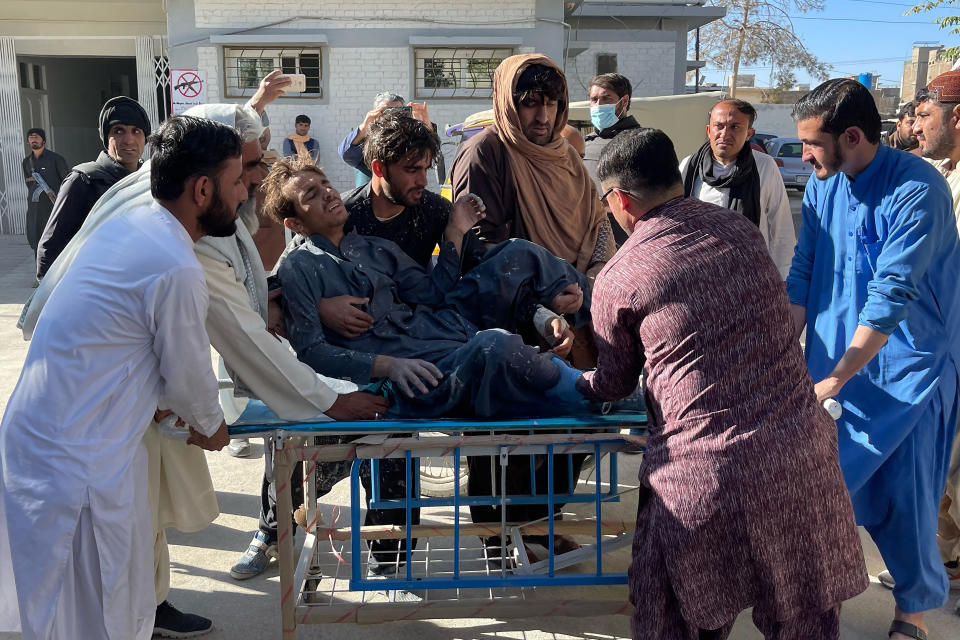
[257, 420]
[411, 501]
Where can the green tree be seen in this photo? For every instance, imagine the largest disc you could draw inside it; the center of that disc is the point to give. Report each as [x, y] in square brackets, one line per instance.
[784, 79]
[760, 31]
[949, 23]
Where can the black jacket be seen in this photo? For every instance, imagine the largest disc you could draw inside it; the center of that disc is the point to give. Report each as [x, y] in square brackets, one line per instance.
[78, 193]
[595, 142]
[593, 146]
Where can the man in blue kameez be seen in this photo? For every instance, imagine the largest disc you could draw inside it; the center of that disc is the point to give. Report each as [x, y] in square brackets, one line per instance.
[875, 280]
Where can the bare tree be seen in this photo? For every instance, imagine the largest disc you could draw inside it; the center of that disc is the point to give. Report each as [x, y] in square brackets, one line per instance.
[950, 23]
[760, 31]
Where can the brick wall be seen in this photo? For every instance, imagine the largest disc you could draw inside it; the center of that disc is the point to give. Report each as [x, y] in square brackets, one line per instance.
[367, 13]
[648, 65]
[356, 75]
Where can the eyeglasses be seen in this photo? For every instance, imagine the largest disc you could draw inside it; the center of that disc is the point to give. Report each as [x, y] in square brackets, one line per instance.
[603, 198]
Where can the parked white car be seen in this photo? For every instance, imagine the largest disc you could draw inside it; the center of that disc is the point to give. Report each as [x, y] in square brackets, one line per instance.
[787, 152]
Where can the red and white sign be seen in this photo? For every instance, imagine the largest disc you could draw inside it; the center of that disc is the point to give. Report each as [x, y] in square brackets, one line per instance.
[188, 88]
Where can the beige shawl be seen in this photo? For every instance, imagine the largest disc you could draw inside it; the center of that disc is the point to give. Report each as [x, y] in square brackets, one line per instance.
[556, 197]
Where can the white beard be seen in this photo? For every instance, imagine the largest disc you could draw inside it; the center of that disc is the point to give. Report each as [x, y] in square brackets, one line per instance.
[247, 213]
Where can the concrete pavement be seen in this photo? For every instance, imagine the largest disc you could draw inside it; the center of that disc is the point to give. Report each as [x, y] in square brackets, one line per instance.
[200, 562]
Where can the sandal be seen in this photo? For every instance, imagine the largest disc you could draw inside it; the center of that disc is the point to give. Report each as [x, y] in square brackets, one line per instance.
[907, 629]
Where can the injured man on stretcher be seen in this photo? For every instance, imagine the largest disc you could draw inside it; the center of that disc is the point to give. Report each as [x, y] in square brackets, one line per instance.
[440, 342]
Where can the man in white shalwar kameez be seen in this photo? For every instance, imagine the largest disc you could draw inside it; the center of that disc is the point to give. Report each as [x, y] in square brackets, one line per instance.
[123, 336]
[180, 489]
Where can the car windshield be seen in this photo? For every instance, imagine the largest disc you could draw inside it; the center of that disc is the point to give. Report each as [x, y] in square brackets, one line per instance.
[790, 150]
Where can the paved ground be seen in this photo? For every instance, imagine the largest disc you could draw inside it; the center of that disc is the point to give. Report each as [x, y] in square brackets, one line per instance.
[200, 562]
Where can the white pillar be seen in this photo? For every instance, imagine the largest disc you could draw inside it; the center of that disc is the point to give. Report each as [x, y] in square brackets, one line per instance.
[13, 190]
[147, 78]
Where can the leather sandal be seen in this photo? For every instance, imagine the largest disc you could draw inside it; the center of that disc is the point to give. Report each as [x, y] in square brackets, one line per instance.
[907, 629]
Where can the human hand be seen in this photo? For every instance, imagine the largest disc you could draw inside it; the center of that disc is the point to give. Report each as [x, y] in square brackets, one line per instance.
[215, 442]
[273, 85]
[358, 405]
[275, 321]
[561, 334]
[420, 113]
[829, 387]
[568, 300]
[468, 210]
[410, 373]
[160, 414]
[368, 119]
[341, 314]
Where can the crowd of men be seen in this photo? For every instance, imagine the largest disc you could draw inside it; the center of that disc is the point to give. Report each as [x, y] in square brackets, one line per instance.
[564, 276]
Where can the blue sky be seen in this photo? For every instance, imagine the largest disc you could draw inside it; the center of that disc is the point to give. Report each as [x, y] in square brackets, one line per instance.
[858, 36]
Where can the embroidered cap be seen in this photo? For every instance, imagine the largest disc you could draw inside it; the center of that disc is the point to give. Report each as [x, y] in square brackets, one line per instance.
[946, 86]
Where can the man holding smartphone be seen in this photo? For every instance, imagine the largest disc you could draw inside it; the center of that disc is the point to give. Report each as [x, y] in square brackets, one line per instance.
[351, 148]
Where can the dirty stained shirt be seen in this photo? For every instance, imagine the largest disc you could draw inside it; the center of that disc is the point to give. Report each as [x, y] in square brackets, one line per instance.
[378, 269]
[417, 229]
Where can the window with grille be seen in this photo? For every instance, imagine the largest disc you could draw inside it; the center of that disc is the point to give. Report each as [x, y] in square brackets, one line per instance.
[244, 67]
[32, 76]
[606, 63]
[448, 72]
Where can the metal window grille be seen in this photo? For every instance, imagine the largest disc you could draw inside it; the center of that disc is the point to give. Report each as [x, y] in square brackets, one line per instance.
[244, 67]
[606, 63]
[455, 72]
[161, 76]
[32, 76]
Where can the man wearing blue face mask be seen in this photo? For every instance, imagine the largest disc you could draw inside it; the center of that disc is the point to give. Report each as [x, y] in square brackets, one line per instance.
[609, 102]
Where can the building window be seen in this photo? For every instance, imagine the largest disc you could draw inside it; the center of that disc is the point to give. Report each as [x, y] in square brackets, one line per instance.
[244, 67]
[32, 76]
[38, 82]
[606, 63]
[455, 72]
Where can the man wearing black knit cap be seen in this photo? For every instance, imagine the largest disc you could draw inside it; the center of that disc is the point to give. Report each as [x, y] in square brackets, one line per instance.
[52, 169]
[124, 127]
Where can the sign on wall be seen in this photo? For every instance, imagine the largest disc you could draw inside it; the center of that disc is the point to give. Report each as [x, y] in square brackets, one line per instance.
[188, 88]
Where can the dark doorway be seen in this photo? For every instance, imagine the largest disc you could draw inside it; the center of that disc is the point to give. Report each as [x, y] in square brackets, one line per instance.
[64, 96]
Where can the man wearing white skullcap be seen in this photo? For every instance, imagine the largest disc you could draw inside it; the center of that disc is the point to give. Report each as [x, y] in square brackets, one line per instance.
[181, 492]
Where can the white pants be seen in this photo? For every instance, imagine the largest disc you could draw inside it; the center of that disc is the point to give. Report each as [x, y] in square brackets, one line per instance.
[80, 607]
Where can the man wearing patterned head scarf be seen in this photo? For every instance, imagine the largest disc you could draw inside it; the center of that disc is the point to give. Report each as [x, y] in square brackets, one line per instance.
[532, 182]
[534, 186]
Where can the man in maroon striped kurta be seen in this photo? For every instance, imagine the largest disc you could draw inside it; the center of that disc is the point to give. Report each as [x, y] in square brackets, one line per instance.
[743, 501]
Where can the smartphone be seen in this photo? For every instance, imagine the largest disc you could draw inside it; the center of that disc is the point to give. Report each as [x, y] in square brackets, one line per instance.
[298, 82]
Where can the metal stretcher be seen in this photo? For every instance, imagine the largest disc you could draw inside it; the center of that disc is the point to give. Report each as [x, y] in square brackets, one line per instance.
[450, 573]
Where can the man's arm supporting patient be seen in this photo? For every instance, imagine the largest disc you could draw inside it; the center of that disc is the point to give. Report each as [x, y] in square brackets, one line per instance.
[177, 302]
[290, 388]
[302, 291]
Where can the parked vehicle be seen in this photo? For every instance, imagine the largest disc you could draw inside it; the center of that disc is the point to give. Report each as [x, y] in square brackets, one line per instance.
[759, 140]
[787, 153]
